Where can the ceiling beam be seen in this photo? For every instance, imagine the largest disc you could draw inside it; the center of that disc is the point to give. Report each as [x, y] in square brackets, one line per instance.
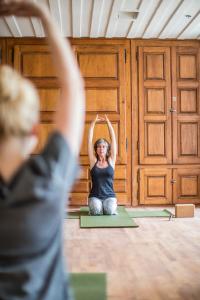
[179, 20]
[55, 8]
[96, 17]
[192, 29]
[4, 29]
[37, 27]
[114, 18]
[166, 10]
[76, 18]
[146, 10]
[66, 17]
[13, 26]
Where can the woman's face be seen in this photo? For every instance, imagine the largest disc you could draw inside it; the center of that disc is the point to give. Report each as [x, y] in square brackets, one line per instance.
[102, 149]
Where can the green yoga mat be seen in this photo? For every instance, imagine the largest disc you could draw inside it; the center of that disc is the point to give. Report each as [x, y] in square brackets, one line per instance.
[84, 211]
[88, 286]
[122, 219]
[76, 214]
[120, 208]
[150, 213]
[106, 221]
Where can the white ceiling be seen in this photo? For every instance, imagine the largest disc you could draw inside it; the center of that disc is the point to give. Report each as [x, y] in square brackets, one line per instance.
[179, 19]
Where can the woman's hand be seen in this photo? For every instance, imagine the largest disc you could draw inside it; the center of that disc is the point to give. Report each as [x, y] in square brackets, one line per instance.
[21, 8]
[98, 119]
[107, 120]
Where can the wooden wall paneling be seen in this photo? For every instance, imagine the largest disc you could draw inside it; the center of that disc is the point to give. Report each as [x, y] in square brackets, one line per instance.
[107, 86]
[135, 123]
[155, 185]
[2, 51]
[186, 105]
[186, 186]
[34, 63]
[12, 42]
[154, 105]
[107, 78]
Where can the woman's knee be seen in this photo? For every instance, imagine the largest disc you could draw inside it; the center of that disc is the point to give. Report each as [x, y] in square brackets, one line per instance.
[95, 207]
[110, 206]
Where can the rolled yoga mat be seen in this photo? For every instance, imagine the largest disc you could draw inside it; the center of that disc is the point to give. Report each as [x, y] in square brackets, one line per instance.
[88, 286]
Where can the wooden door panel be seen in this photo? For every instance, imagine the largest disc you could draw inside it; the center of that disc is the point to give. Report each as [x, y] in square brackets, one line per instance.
[155, 186]
[155, 99]
[187, 65]
[188, 133]
[155, 132]
[154, 105]
[37, 65]
[102, 100]
[48, 99]
[186, 100]
[34, 61]
[186, 187]
[154, 66]
[95, 64]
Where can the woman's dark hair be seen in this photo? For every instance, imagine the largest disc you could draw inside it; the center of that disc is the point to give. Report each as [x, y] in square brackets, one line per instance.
[97, 143]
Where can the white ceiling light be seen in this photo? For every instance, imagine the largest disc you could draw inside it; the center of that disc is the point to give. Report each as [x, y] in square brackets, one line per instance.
[129, 15]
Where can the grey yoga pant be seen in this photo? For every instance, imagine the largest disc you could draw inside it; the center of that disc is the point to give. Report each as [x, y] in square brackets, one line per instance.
[100, 207]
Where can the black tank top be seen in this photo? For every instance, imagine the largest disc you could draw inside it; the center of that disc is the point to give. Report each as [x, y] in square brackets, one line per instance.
[102, 182]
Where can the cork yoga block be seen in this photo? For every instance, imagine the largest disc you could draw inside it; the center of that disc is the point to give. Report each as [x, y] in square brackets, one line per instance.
[184, 210]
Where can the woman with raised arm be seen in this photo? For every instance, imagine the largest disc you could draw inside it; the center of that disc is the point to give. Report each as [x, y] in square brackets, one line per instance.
[33, 190]
[102, 198]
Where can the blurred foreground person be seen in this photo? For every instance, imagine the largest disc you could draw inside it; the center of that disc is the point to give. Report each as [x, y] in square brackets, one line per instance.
[33, 190]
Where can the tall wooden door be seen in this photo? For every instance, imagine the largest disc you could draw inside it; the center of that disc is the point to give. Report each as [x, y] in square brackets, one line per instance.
[154, 105]
[169, 124]
[186, 105]
[105, 68]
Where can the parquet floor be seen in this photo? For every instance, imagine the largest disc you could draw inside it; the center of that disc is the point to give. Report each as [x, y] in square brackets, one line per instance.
[158, 260]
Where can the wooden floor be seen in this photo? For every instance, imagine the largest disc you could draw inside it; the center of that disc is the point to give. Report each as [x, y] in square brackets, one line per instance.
[158, 260]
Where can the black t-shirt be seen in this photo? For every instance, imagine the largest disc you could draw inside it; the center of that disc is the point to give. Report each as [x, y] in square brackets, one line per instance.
[32, 207]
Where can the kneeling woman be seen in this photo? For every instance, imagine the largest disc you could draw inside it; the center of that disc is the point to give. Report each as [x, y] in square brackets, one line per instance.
[102, 199]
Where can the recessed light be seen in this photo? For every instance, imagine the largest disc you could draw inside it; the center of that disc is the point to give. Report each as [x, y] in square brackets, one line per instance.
[130, 15]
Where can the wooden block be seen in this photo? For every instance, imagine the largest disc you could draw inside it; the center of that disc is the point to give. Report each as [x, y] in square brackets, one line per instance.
[184, 210]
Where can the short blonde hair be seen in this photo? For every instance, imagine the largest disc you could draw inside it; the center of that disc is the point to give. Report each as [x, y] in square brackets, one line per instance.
[19, 104]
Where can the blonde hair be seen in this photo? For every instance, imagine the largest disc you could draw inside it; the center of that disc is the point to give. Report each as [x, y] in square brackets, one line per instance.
[19, 104]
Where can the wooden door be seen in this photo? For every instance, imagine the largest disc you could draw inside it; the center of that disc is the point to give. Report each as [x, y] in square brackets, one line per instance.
[155, 185]
[154, 105]
[105, 68]
[186, 105]
[186, 186]
[106, 73]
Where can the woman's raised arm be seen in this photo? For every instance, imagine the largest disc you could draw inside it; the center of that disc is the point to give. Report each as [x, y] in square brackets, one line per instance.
[113, 141]
[92, 158]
